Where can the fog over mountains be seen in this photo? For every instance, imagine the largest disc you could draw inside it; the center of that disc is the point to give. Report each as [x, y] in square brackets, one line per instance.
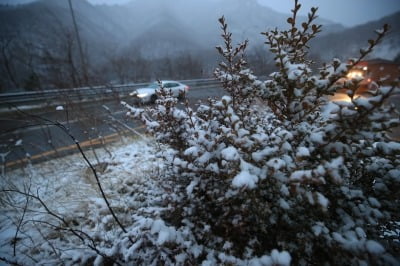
[158, 29]
[347, 42]
[157, 24]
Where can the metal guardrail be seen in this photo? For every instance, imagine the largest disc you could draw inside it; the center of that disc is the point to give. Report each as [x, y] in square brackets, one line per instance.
[84, 94]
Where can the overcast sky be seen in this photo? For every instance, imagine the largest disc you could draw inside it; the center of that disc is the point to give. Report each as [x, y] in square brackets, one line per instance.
[346, 12]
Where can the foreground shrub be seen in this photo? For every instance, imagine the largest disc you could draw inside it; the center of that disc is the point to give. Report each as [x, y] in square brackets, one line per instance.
[275, 167]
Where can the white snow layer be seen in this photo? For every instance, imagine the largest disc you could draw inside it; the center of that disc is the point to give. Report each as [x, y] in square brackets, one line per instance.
[245, 179]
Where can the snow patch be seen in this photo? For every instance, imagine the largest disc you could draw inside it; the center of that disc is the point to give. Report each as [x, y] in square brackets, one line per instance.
[245, 179]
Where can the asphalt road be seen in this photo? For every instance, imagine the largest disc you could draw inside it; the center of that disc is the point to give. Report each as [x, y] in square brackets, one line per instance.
[33, 135]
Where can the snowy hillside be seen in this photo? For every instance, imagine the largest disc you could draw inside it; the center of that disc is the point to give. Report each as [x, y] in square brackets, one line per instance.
[65, 212]
[67, 188]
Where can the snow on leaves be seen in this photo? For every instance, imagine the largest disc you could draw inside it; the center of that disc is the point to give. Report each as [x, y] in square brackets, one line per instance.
[280, 164]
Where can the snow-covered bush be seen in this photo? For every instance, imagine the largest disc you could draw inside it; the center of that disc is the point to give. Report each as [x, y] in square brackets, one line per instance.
[275, 168]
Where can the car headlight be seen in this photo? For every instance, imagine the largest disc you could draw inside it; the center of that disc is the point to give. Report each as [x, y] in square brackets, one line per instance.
[142, 95]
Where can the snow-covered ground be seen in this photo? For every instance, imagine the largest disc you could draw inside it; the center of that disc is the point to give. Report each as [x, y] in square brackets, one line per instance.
[130, 171]
[67, 187]
[65, 221]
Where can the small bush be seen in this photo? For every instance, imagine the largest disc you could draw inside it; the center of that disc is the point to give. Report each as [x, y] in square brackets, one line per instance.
[275, 168]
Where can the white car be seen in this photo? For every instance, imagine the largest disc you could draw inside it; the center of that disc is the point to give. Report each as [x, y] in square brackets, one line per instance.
[149, 93]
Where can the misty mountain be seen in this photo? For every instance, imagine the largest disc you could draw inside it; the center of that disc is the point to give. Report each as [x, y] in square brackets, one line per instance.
[145, 40]
[162, 27]
[196, 21]
[347, 43]
[47, 21]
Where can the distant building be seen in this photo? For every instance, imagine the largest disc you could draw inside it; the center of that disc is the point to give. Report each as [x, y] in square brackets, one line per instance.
[379, 69]
[373, 71]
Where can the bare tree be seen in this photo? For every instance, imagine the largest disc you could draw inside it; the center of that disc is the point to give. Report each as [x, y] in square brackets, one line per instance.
[8, 69]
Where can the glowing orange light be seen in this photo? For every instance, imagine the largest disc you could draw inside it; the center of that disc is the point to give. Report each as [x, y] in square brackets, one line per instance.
[355, 74]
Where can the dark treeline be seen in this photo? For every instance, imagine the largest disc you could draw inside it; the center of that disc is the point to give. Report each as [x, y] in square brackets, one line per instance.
[31, 65]
[39, 47]
[54, 62]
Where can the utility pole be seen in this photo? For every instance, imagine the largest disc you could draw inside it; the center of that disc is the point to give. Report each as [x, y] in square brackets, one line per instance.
[83, 63]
